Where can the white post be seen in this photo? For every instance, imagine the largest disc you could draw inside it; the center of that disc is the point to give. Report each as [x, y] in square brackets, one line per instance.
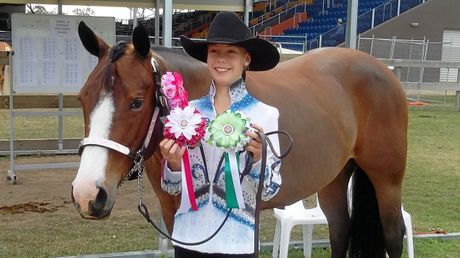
[134, 18]
[373, 18]
[399, 7]
[247, 9]
[162, 240]
[167, 24]
[61, 122]
[359, 41]
[392, 49]
[372, 44]
[457, 101]
[11, 174]
[352, 21]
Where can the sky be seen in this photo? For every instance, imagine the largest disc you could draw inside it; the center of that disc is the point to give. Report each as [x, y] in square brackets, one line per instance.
[117, 12]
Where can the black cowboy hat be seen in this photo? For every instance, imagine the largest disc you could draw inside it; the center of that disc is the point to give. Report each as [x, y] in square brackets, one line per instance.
[227, 28]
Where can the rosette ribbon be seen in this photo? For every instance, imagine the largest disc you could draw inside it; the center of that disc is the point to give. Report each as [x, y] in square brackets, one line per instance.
[227, 131]
[186, 126]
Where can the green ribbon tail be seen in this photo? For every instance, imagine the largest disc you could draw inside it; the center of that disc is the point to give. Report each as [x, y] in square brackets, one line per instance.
[230, 194]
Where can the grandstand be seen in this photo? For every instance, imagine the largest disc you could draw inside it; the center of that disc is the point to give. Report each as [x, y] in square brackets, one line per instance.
[325, 26]
[298, 25]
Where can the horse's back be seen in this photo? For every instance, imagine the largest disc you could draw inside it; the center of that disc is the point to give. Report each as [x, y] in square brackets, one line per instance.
[329, 100]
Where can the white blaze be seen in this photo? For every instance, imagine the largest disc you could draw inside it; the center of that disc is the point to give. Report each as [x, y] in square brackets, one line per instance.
[94, 158]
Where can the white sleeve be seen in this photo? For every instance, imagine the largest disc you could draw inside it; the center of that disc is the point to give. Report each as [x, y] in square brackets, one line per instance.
[171, 181]
[272, 180]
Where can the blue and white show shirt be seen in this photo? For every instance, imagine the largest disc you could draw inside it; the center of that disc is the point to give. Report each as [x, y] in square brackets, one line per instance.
[237, 235]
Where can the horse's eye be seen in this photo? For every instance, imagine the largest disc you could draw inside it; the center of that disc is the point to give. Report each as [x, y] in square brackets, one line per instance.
[136, 104]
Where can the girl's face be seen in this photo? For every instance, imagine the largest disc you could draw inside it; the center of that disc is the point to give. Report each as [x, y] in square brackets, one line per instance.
[226, 62]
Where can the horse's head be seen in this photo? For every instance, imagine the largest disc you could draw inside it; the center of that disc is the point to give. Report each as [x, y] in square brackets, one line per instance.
[118, 100]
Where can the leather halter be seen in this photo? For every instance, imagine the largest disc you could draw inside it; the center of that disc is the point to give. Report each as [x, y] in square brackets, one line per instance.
[160, 103]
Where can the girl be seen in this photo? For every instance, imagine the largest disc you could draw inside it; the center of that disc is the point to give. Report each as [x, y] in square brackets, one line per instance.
[228, 51]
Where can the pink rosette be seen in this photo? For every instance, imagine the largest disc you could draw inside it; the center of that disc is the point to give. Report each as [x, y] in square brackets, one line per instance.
[169, 91]
[172, 86]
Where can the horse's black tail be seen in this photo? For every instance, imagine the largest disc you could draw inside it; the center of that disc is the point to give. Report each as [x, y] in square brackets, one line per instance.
[366, 238]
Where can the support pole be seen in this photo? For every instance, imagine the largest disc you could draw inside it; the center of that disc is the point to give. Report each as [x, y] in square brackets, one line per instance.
[352, 21]
[457, 102]
[157, 22]
[247, 10]
[60, 7]
[134, 17]
[162, 240]
[167, 24]
[11, 176]
[61, 122]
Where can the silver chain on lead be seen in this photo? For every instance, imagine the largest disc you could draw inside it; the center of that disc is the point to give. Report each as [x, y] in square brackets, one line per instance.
[139, 183]
[138, 167]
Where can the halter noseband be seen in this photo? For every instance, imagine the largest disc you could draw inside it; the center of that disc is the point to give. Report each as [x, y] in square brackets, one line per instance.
[120, 148]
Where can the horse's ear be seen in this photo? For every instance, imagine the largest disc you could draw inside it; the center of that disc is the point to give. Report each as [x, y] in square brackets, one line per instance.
[90, 41]
[141, 41]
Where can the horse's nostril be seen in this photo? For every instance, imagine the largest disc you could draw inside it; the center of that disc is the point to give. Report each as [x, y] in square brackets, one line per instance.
[101, 200]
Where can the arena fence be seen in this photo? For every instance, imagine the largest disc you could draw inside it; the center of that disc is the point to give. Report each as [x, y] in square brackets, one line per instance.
[423, 67]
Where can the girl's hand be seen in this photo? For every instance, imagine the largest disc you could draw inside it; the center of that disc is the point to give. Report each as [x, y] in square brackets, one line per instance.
[171, 152]
[255, 145]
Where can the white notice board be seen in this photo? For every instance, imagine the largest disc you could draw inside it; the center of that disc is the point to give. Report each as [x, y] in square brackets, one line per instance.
[48, 54]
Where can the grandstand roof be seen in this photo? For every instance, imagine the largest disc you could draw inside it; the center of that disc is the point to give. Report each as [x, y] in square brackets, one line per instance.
[203, 5]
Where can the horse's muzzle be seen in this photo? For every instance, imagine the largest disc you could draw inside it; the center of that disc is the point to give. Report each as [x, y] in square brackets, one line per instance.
[99, 208]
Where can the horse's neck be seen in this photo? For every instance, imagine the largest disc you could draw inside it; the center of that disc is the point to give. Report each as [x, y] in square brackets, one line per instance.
[195, 73]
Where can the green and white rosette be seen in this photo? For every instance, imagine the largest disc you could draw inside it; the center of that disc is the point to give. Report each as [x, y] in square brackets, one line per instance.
[227, 131]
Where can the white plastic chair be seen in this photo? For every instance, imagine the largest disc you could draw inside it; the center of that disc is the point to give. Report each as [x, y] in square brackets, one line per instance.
[408, 223]
[296, 214]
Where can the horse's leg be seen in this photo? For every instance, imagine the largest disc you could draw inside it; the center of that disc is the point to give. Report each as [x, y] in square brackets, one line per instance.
[389, 201]
[377, 211]
[168, 202]
[382, 157]
[333, 201]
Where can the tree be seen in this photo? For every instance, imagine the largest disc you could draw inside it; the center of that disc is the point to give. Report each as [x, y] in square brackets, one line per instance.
[39, 9]
[83, 11]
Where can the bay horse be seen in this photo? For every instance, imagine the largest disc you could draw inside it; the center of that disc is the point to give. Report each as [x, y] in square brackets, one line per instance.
[345, 110]
[4, 71]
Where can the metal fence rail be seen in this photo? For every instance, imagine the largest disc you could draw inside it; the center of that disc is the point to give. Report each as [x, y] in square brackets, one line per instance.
[418, 64]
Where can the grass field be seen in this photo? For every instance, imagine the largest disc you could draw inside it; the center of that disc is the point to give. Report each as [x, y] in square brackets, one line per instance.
[431, 195]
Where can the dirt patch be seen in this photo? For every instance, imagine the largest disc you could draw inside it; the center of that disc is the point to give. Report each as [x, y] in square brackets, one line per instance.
[48, 190]
[39, 207]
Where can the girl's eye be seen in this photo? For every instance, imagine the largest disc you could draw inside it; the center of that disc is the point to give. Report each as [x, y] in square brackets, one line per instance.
[136, 104]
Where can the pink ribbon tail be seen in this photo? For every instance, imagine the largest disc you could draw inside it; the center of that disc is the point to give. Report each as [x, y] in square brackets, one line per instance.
[188, 179]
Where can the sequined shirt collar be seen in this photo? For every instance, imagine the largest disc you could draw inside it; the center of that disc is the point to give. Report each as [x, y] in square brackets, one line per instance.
[237, 91]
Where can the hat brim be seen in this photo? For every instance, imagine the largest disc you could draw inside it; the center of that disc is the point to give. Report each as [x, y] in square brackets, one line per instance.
[264, 56]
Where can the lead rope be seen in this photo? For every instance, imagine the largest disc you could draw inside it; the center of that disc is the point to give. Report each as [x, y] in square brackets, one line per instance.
[264, 141]
[145, 213]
